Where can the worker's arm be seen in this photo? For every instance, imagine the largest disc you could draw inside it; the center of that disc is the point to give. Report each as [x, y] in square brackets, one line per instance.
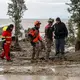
[42, 43]
[4, 36]
[39, 37]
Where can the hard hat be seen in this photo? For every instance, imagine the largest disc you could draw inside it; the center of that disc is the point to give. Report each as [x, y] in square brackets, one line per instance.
[51, 20]
[5, 28]
[37, 22]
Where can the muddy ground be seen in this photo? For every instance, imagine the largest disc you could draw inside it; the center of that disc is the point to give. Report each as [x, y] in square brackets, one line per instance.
[22, 63]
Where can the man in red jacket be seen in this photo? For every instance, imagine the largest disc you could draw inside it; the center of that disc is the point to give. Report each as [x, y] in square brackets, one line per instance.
[7, 38]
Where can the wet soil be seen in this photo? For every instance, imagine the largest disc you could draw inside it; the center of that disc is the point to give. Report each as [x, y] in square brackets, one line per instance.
[22, 65]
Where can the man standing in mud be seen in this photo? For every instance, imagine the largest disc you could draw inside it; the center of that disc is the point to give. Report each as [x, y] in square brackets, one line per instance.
[7, 39]
[49, 37]
[61, 33]
[35, 39]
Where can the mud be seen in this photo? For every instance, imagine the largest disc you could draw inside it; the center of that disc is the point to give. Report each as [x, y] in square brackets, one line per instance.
[24, 77]
[59, 72]
[58, 69]
[24, 57]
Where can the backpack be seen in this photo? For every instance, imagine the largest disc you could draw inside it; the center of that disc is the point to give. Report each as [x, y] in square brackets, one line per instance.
[31, 34]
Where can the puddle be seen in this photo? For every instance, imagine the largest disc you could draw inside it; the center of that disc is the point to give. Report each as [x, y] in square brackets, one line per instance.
[1, 69]
[71, 72]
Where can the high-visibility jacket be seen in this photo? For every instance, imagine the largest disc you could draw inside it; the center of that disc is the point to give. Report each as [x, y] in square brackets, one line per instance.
[35, 35]
[7, 36]
[5, 28]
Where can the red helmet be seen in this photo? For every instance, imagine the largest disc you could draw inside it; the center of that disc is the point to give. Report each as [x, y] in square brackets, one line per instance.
[37, 22]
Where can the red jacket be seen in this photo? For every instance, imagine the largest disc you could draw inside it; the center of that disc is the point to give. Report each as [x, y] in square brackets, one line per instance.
[36, 35]
[8, 36]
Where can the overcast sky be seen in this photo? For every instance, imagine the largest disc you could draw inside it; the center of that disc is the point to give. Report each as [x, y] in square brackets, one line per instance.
[40, 8]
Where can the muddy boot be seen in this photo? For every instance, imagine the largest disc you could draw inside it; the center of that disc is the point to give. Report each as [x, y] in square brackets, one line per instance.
[2, 57]
[47, 56]
[33, 55]
[10, 60]
[57, 54]
[63, 56]
[32, 60]
[37, 57]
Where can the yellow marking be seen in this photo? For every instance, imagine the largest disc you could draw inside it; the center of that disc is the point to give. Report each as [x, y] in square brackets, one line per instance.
[5, 37]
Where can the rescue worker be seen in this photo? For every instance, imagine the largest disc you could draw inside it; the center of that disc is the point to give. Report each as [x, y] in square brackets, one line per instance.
[7, 38]
[61, 33]
[49, 37]
[35, 39]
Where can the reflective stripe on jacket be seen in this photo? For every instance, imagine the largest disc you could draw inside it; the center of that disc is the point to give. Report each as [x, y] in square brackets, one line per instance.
[7, 35]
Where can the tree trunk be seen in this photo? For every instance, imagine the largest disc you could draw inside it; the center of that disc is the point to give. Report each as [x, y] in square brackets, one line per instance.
[77, 45]
[16, 45]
